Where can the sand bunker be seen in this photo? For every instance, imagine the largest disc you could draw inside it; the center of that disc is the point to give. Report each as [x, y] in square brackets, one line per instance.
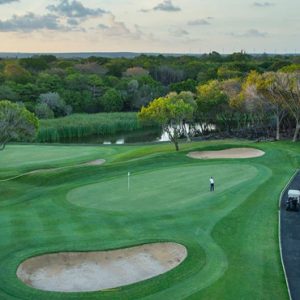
[94, 271]
[96, 162]
[228, 153]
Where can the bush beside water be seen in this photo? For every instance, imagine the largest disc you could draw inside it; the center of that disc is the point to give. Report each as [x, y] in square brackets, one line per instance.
[77, 126]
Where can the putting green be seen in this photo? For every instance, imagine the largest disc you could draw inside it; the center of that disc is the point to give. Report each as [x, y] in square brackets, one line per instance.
[171, 188]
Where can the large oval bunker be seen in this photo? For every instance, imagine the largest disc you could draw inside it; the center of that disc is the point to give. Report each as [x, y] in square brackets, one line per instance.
[94, 271]
[227, 153]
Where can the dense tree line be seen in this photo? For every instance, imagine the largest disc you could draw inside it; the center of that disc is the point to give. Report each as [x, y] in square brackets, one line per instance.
[101, 84]
[237, 93]
[259, 105]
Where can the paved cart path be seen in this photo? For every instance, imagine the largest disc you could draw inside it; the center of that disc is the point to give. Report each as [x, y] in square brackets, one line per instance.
[290, 241]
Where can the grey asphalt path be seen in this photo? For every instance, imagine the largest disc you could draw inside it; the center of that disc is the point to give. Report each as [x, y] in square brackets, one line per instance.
[290, 241]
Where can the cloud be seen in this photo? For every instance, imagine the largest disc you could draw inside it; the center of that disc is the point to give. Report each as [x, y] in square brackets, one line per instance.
[7, 1]
[166, 6]
[74, 9]
[145, 10]
[263, 4]
[102, 26]
[178, 32]
[31, 22]
[114, 28]
[73, 22]
[251, 33]
[199, 22]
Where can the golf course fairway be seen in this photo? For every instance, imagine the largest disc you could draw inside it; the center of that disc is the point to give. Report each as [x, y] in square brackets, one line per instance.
[230, 235]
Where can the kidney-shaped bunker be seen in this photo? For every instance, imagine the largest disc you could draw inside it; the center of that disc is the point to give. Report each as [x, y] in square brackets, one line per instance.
[94, 271]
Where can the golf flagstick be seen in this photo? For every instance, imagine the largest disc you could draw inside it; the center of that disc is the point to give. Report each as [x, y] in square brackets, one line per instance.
[128, 181]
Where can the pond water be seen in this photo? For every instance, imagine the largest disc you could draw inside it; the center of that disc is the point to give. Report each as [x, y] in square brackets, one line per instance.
[141, 136]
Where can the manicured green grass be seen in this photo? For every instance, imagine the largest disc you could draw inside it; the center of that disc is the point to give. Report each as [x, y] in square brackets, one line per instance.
[77, 126]
[231, 234]
[148, 191]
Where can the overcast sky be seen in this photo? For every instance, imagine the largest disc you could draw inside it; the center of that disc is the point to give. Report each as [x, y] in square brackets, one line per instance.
[185, 26]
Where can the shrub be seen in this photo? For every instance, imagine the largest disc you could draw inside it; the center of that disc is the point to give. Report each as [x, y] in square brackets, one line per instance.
[56, 104]
[43, 111]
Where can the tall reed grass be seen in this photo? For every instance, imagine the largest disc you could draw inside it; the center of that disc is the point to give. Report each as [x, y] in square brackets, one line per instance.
[77, 126]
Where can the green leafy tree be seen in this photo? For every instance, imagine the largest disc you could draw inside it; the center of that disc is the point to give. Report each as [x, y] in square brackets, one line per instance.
[288, 86]
[294, 68]
[117, 66]
[215, 57]
[253, 109]
[6, 92]
[264, 91]
[95, 84]
[112, 101]
[35, 64]
[171, 113]
[207, 72]
[77, 82]
[212, 105]
[187, 85]
[80, 101]
[28, 92]
[48, 82]
[293, 101]
[2, 78]
[232, 117]
[14, 72]
[91, 68]
[239, 56]
[16, 123]
[227, 72]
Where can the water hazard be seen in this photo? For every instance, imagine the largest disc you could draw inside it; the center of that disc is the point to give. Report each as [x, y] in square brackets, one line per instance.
[140, 136]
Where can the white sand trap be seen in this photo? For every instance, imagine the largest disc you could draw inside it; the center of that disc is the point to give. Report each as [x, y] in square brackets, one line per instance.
[97, 162]
[94, 271]
[228, 153]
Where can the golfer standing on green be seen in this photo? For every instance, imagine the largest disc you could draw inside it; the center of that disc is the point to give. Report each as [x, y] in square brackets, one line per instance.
[212, 184]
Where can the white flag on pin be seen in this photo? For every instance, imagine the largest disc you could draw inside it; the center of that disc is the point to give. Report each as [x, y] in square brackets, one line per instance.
[128, 181]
